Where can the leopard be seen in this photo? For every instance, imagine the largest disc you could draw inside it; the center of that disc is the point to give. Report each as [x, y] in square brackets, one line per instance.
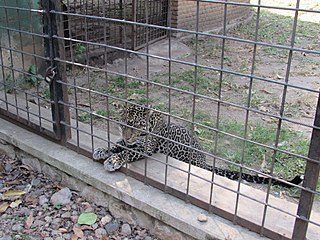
[146, 131]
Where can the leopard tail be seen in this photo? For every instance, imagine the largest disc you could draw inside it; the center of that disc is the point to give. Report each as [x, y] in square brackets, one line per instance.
[233, 175]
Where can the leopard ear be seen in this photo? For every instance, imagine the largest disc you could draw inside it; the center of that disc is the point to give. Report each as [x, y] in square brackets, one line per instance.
[120, 107]
[117, 105]
[148, 109]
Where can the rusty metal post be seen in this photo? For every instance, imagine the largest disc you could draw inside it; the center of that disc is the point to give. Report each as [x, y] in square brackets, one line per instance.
[310, 182]
[53, 27]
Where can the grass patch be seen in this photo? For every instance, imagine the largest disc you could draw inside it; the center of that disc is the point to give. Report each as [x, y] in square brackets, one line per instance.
[277, 29]
[255, 156]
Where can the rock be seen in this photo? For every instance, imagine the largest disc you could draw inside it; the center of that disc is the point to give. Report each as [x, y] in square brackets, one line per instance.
[43, 200]
[111, 227]
[6, 238]
[8, 167]
[126, 229]
[17, 227]
[38, 223]
[66, 215]
[99, 232]
[106, 219]
[66, 236]
[35, 182]
[62, 197]
[148, 238]
[202, 218]
[48, 219]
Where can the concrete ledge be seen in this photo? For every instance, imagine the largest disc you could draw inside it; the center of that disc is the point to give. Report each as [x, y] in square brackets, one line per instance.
[168, 211]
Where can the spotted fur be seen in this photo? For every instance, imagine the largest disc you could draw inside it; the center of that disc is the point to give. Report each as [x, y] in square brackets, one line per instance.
[145, 132]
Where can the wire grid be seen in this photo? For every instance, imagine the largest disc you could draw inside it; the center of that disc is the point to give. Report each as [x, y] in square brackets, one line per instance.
[23, 91]
[184, 96]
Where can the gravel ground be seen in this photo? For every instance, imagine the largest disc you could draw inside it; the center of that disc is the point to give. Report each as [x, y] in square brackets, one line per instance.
[34, 207]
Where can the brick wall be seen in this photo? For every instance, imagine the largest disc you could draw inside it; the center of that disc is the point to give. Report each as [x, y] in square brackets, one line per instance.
[211, 15]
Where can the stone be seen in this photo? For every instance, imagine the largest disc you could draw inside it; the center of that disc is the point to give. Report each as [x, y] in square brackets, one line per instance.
[38, 223]
[43, 200]
[99, 232]
[111, 227]
[8, 167]
[62, 197]
[66, 215]
[202, 218]
[126, 229]
[48, 219]
[7, 237]
[35, 182]
[17, 227]
[147, 238]
[106, 219]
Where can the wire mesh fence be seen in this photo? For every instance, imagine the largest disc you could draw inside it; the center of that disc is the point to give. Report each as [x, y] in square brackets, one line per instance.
[241, 76]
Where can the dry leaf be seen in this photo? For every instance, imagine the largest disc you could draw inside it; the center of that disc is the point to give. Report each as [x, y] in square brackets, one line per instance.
[63, 230]
[3, 207]
[74, 237]
[13, 193]
[78, 232]
[266, 91]
[15, 203]
[29, 221]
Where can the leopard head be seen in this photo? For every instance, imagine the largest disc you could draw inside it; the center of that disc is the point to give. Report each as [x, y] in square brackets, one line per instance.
[140, 118]
[132, 118]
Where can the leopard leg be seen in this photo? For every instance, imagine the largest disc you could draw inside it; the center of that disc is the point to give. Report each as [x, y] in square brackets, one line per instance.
[100, 154]
[117, 160]
[103, 153]
[114, 162]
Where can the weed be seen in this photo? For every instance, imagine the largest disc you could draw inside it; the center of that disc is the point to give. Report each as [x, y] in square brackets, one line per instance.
[79, 50]
[46, 93]
[103, 113]
[9, 83]
[84, 117]
[57, 206]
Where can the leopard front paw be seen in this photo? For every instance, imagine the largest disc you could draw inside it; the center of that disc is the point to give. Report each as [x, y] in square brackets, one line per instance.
[113, 163]
[100, 154]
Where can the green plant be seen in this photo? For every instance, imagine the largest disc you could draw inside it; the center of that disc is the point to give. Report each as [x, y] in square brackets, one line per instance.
[46, 93]
[9, 83]
[79, 49]
[84, 117]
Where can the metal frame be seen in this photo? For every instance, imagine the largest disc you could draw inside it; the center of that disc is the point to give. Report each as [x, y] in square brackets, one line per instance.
[55, 39]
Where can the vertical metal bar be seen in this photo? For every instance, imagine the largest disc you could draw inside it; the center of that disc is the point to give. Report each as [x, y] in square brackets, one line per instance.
[169, 105]
[194, 87]
[134, 26]
[218, 115]
[281, 112]
[53, 26]
[146, 8]
[35, 61]
[310, 182]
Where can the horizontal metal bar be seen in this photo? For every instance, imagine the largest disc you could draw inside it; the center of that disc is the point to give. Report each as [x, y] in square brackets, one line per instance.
[284, 47]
